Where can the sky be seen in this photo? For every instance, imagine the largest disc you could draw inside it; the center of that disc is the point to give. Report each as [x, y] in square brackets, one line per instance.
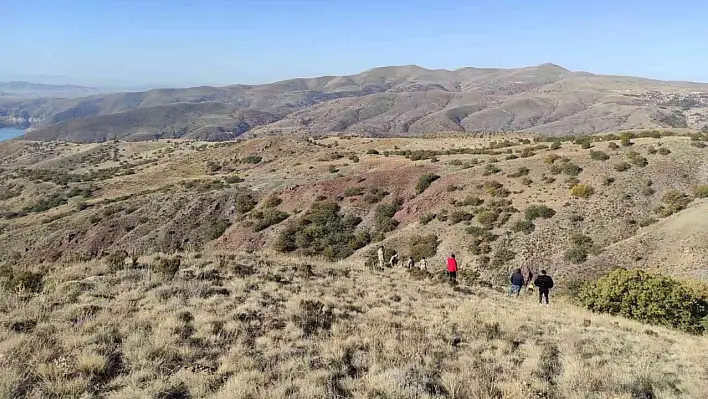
[218, 42]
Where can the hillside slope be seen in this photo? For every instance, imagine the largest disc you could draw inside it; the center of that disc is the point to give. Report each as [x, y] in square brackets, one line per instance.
[405, 101]
[218, 325]
[498, 204]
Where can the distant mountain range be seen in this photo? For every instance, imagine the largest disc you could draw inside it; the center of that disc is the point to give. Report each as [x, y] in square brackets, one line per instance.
[22, 89]
[397, 100]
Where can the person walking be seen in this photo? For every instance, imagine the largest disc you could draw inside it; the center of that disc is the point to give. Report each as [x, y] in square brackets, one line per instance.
[410, 263]
[381, 257]
[544, 283]
[517, 283]
[394, 259]
[527, 272]
[423, 264]
[452, 268]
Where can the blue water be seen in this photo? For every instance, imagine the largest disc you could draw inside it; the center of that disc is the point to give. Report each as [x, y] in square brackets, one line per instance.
[7, 133]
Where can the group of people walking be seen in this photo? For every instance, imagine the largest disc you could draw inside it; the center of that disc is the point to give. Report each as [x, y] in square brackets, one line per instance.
[518, 279]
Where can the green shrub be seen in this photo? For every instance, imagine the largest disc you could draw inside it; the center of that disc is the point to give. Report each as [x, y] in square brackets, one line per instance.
[353, 191]
[372, 152]
[674, 201]
[582, 191]
[701, 191]
[576, 255]
[470, 200]
[649, 298]
[423, 246]
[612, 145]
[244, 202]
[354, 158]
[599, 156]
[636, 159]
[581, 240]
[538, 211]
[622, 166]
[522, 171]
[555, 145]
[374, 195]
[495, 189]
[523, 225]
[551, 159]
[218, 228]
[571, 169]
[490, 169]
[268, 217]
[426, 218]
[625, 139]
[168, 266]
[487, 218]
[425, 181]
[272, 201]
[323, 230]
[252, 159]
[458, 216]
[383, 216]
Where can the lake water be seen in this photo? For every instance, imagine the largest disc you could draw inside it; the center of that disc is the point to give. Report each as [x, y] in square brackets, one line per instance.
[7, 133]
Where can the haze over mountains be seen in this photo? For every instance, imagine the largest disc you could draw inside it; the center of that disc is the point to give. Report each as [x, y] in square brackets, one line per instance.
[398, 100]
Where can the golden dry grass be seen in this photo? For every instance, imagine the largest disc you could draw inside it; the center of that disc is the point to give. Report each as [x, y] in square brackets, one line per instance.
[241, 326]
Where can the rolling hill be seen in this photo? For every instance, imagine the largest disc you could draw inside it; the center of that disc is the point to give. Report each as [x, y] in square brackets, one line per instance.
[387, 101]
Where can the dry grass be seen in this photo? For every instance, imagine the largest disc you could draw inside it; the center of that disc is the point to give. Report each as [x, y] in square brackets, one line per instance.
[238, 326]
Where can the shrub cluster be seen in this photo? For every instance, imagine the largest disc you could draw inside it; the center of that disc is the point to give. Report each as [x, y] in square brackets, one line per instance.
[538, 211]
[599, 155]
[423, 246]
[268, 217]
[383, 216]
[674, 201]
[582, 191]
[578, 252]
[649, 298]
[323, 230]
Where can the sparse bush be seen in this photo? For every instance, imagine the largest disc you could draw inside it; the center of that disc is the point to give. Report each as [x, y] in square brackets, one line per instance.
[353, 191]
[649, 298]
[571, 169]
[426, 218]
[582, 191]
[218, 228]
[636, 159]
[646, 222]
[612, 145]
[608, 180]
[551, 159]
[354, 158]
[571, 182]
[495, 189]
[576, 255]
[652, 150]
[701, 191]
[374, 195]
[371, 151]
[622, 166]
[252, 159]
[664, 151]
[332, 169]
[272, 201]
[584, 142]
[648, 191]
[244, 202]
[487, 218]
[470, 200]
[698, 144]
[458, 216]
[20, 279]
[538, 211]
[625, 139]
[599, 156]
[168, 266]
[490, 169]
[501, 257]
[423, 246]
[675, 201]
[425, 181]
[522, 171]
[555, 145]
[524, 226]
[116, 260]
[233, 179]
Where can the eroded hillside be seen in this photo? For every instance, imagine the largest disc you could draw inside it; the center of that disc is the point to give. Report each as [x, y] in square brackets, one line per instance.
[578, 208]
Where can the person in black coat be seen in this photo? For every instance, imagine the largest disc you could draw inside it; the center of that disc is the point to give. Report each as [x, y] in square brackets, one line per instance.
[544, 283]
[517, 282]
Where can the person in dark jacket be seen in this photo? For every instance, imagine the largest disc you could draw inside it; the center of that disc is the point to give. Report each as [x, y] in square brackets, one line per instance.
[452, 268]
[544, 283]
[517, 282]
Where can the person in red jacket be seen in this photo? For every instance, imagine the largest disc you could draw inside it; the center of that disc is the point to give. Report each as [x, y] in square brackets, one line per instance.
[452, 268]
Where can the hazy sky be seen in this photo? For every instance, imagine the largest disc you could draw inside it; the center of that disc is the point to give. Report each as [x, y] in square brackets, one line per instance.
[183, 42]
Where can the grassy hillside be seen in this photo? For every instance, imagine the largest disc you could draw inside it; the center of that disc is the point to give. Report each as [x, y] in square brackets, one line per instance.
[215, 325]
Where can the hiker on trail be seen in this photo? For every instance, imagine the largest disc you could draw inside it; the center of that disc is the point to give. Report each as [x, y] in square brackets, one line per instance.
[381, 257]
[410, 264]
[394, 259]
[423, 265]
[452, 268]
[517, 282]
[544, 284]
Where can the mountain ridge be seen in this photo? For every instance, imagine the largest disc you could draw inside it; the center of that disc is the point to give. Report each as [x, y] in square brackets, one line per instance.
[404, 100]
